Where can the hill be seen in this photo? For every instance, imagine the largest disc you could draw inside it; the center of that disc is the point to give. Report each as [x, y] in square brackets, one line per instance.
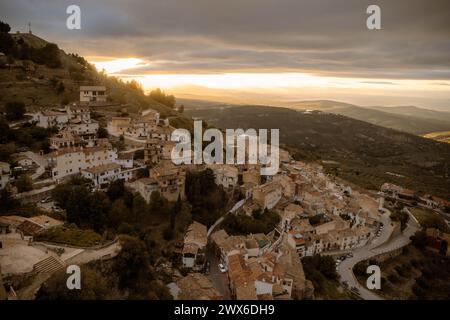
[367, 154]
[405, 118]
[38, 85]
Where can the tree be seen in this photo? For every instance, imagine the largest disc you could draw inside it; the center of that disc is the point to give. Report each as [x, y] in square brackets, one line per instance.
[163, 98]
[7, 202]
[119, 213]
[181, 109]
[116, 189]
[48, 55]
[24, 183]
[132, 263]
[6, 133]
[7, 44]
[158, 204]
[140, 209]
[102, 133]
[15, 110]
[94, 287]
[4, 27]
[142, 173]
[419, 239]
[176, 209]
[443, 248]
[60, 88]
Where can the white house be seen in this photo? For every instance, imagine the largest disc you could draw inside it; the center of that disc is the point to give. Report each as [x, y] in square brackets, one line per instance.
[50, 118]
[69, 161]
[92, 94]
[145, 187]
[83, 128]
[125, 159]
[106, 173]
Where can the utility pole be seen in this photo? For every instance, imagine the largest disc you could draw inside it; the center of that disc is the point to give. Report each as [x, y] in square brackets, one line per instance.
[29, 28]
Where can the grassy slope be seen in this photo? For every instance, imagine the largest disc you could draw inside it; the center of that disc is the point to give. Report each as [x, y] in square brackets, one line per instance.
[32, 86]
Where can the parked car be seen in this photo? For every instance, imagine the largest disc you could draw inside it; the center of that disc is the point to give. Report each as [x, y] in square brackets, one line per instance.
[222, 268]
[46, 200]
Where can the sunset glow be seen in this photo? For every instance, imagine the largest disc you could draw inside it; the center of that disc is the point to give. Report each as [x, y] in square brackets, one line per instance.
[117, 65]
[290, 84]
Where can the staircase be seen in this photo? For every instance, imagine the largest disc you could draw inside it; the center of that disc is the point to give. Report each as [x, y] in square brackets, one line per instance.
[48, 265]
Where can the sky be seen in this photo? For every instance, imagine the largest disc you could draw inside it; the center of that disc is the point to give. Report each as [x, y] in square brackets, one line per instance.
[269, 49]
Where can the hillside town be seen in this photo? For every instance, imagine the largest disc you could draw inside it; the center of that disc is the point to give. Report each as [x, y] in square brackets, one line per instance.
[316, 213]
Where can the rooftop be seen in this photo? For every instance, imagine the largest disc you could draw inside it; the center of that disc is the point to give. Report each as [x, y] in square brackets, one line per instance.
[92, 88]
[103, 168]
[196, 286]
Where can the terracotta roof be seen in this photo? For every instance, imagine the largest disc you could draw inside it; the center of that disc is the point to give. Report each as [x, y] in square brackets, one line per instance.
[197, 233]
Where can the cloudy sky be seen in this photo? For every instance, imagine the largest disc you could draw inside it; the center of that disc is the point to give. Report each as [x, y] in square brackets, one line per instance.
[302, 48]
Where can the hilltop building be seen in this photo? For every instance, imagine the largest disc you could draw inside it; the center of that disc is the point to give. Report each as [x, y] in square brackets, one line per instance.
[93, 94]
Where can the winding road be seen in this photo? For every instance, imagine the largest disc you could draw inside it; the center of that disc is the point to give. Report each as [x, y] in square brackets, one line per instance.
[382, 244]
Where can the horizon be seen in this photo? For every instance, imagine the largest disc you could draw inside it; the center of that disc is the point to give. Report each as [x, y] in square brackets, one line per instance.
[317, 50]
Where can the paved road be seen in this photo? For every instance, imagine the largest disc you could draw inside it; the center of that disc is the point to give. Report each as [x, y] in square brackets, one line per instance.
[219, 279]
[382, 244]
[218, 221]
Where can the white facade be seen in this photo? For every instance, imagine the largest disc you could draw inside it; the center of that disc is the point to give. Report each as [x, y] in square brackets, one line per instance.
[48, 119]
[105, 174]
[145, 187]
[125, 159]
[92, 94]
[84, 128]
[71, 161]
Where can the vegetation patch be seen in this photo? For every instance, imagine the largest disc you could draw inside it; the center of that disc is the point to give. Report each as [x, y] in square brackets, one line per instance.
[260, 222]
[70, 235]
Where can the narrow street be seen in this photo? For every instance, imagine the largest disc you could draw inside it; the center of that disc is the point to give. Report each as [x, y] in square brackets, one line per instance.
[219, 279]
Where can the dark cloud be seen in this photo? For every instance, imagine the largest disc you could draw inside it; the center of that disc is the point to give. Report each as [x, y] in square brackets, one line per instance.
[326, 37]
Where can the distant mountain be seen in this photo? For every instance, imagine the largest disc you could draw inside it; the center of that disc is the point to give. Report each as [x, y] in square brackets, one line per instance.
[409, 119]
[406, 118]
[368, 155]
[413, 111]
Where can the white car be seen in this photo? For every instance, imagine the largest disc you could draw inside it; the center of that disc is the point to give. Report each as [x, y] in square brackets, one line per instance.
[222, 268]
